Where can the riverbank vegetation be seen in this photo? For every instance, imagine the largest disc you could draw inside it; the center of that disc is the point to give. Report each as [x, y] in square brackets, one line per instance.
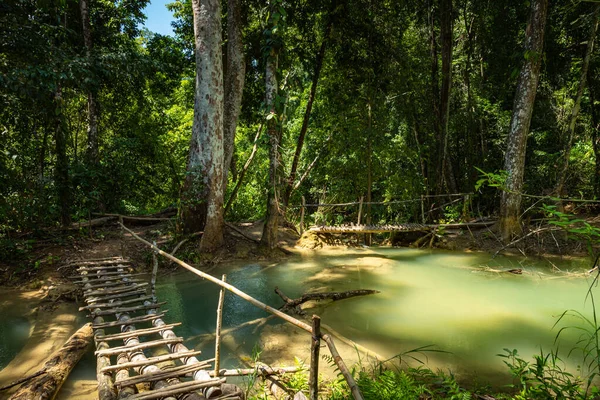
[406, 106]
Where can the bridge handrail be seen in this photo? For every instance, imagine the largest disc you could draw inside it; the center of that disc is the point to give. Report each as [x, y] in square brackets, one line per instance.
[300, 324]
[353, 203]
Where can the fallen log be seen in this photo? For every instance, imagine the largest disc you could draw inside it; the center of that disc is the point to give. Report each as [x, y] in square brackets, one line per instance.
[294, 304]
[57, 368]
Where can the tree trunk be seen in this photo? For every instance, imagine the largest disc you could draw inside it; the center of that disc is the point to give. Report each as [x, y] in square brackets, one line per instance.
[270, 235]
[514, 161]
[56, 370]
[92, 131]
[62, 161]
[445, 173]
[202, 197]
[435, 96]
[311, 98]
[369, 170]
[576, 107]
[595, 140]
[234, 82]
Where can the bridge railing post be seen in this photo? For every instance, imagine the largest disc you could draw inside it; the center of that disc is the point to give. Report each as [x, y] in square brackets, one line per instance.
[315, 347]
[360, 204]
[154, 271]
[218, 328]
[302, 215]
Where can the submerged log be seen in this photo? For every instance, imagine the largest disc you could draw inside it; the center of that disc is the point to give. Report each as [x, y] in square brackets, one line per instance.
[294, 304]
[46, 385]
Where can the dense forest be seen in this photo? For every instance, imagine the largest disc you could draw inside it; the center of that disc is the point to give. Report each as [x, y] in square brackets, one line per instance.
[253, 106]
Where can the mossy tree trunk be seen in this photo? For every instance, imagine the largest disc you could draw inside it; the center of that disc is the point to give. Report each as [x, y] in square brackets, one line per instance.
[514, 161]
[202, 196]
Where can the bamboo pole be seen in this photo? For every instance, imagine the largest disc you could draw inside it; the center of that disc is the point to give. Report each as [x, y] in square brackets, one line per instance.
[261, 370]
[343, 368]
[233, 289]
[302, 325]
[360, 204]
[422, 209]
[302, 210]
[315, 345]
[218, 328]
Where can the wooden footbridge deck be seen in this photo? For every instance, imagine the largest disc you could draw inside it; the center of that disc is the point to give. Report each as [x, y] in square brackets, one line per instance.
[123, 311]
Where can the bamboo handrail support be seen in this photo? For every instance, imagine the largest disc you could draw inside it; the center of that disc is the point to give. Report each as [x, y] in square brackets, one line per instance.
[122, 236]
[360, 204]
[154, 272]
[302, 210]
[302, 325]
[218, 328]
[313, 384]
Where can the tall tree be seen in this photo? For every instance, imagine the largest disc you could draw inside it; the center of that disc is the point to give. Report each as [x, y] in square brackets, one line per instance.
[62, 161]
[309, 104]
[92, 130]
[560, 186]
[202, 197]
[273, 41]
[514, 160]
[234, 80]
[445, 174]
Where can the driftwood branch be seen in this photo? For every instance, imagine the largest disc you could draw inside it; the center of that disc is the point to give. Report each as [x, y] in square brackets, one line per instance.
[525, 237]
[294, 304]
[234, 228]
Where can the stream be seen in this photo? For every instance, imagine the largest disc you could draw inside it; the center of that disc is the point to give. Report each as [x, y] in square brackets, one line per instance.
[452, 301]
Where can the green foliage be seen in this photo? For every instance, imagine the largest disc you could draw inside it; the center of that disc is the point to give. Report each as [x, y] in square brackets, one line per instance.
[576, 228]
[543, 379]
[390, 385]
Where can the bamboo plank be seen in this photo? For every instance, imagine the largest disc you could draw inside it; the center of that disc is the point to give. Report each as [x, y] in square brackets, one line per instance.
[106, 267]
[176, 389]
[154, 360]
[137, 332]
[108, 278]
[120, 310]
[131, 321]
[113, 260]
[115, 304]
[117, 290]
[145, 345]
[94, 299]
[109, 273]
[112, 284]
[173, 372]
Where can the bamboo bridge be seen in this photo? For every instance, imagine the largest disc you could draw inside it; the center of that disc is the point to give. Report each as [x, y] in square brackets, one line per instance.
[123, 310]
[405, 227]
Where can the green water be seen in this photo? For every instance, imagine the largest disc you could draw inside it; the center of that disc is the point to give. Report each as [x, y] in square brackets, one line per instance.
[446, 299]
[14, 331]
